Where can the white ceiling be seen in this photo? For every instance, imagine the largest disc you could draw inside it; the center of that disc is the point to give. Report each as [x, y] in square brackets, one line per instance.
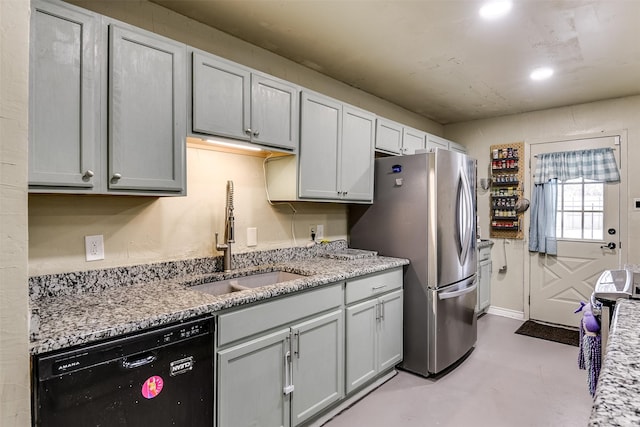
[438, 58]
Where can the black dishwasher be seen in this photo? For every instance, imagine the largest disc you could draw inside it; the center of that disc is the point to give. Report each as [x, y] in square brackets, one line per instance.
[162, 377]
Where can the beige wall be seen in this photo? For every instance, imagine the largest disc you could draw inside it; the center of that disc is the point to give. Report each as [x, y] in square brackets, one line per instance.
[139, 230]
[14, 360]
[148, 229]
[549, 125]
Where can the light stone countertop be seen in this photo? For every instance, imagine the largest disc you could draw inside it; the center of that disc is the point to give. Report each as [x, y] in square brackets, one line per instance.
[617, 399]
[66, 319]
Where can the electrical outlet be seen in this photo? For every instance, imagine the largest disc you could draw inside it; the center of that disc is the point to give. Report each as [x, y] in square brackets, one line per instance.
[312, 232]
[94, 247]
[319, 232]
[252, 236]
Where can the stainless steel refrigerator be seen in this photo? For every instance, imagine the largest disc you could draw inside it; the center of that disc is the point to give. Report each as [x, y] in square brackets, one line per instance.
[424, 210]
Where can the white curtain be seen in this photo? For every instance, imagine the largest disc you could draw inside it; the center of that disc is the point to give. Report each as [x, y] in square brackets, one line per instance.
[597, 164]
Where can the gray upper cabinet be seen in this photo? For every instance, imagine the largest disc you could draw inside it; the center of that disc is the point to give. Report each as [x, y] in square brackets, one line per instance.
[147, 111]
[395, 138]
[336, 150]
[412, 140]
[434, 142]
[454, 146]
[356, 161]
[388, 136]
[89, 135]
[220, 97]
[275, 113]
[232, 101]
[320, 137]
[64, 132]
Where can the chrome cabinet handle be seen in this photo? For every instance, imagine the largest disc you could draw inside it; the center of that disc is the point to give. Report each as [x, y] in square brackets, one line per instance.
[375, 289]
[256, 133]
[88, 174]
[247, 131]
[296, 337]
[117, 176]
[381, 310]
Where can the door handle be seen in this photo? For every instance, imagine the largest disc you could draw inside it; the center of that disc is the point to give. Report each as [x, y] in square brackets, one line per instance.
[144, 360]
[609, 245]
[288, 387]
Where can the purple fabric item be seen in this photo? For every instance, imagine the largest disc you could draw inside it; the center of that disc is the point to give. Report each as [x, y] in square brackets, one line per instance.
[581, 364]
[592, 346]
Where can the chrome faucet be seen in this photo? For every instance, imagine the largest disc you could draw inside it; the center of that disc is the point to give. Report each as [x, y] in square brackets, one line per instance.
[228, 229]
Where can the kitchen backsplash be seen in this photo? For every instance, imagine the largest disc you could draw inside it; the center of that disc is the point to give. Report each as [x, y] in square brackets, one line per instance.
[51, 285]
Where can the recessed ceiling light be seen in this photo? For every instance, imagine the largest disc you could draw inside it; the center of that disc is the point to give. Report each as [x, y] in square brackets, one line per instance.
[495, 9]
[541, 73]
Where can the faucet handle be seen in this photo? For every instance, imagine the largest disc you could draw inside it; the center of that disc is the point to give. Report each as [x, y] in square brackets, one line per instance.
[220, 247]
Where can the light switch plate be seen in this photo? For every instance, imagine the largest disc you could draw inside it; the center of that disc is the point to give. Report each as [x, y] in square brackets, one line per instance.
[94, 247]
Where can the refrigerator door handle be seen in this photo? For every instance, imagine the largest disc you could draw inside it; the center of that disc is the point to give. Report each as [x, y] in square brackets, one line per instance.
[464, 210]
[455, 294]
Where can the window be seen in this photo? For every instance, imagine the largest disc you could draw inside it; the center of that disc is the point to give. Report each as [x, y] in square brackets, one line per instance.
[580, 213]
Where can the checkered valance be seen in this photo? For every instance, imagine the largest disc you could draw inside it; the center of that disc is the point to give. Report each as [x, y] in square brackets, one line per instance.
[598, 164]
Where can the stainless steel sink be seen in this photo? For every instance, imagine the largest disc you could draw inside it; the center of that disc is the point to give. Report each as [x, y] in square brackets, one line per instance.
[236, 284]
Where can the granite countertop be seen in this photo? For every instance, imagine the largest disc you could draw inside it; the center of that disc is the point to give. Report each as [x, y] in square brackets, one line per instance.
[69, 319]
[617, 399]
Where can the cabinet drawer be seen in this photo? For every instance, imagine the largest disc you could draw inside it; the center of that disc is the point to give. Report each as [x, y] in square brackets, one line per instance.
[271, 314]
[375, 284]
[484, 254]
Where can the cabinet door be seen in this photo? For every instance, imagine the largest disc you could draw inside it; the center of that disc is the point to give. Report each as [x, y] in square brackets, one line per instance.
[388, 136]
[356, 154]
[321, 127]
[362, 345]
[64, 131]
[484, 285]
[251, 380]
[412, 140]
[453, 146]
[434, 142]
[147, 111]
[390, 330]
[274, 113]
[221, 97]
[318, 365]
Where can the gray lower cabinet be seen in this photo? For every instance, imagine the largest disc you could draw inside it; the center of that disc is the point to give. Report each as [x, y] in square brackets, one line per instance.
[252, 377]
[484, 278]
[107, 106]
[284, 375]
[373, 327]
[230, 100]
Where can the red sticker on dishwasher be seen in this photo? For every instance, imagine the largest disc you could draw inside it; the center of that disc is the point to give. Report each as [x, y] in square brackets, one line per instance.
[152, 387]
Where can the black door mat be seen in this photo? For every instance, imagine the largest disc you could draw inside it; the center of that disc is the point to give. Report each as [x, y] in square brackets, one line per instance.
[550, 333]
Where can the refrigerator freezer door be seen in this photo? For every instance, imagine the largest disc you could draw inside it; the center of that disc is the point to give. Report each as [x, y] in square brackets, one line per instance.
[452, 323]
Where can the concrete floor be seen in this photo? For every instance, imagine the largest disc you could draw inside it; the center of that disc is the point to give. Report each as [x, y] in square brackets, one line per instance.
[508, 380]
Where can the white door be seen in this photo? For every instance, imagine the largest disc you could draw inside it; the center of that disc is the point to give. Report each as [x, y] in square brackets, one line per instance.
[588, 220]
